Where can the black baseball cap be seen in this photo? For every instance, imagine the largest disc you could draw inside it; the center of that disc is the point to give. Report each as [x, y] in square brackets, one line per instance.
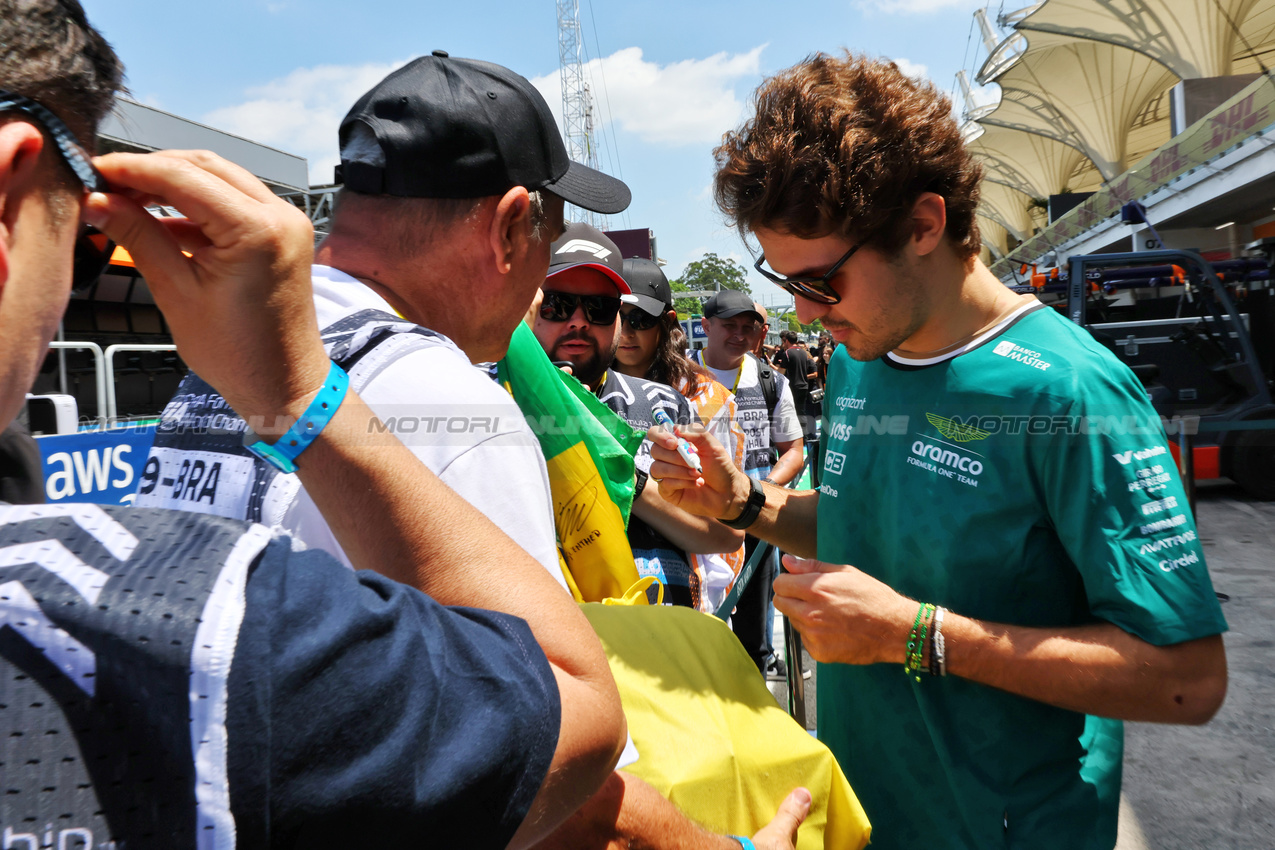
[584, 245]
[651, 292]
[443, 127]
[730, 302]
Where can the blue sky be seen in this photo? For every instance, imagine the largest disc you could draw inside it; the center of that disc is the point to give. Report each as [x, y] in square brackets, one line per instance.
[668, 77]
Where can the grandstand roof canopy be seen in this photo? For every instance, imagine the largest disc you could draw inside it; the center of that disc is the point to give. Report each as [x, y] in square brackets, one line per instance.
[1009, 208]
[1086, 94]
[1033, 164]
[1191, 38]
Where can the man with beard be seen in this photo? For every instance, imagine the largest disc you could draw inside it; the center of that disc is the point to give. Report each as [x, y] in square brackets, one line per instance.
[578, 323]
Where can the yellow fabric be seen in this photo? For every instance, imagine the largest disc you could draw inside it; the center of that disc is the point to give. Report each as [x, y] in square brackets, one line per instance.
[591, 534]
[710, 736]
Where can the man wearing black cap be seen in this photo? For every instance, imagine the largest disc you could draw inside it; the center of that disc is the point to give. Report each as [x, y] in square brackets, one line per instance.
[578, 322]
[455, 178]
[774, 436]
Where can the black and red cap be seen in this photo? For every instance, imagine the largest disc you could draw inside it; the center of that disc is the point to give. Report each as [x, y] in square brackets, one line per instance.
[584, 245]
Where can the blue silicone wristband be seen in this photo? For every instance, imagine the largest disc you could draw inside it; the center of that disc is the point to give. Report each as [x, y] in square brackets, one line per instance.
[283, 454]
[746, 843]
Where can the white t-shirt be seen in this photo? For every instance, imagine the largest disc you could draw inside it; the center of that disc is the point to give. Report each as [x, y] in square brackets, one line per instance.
[423, 388]
[754, 418]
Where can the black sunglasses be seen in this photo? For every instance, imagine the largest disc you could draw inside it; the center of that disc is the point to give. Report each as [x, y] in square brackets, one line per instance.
[812, 288]
[92, 249]
[560, 306]
[639, 320]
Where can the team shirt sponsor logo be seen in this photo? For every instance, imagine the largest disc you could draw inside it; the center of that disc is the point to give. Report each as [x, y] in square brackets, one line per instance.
[848, 403]
[1163, 524]
[1160, 505]
[961, 432]
[1026, 356]
[1167, 542]
[1150, 479]
[834, 463]
[944, 462]
[1124, 458]
[1168, 565]
[949, 460]
[840, 430]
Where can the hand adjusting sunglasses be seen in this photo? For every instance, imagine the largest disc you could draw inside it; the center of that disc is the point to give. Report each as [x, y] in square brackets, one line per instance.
[560, 306]
[92, 249]
[814, 288]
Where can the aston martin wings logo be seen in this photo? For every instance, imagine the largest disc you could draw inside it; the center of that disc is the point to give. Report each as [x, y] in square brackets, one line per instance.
[958, 431]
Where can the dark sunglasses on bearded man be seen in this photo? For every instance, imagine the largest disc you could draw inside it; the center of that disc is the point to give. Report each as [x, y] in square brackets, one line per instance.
[92, 249]
[560, 306]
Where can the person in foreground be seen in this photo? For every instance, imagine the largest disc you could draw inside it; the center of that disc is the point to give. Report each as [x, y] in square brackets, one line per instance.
[998, 514]
[169, 680]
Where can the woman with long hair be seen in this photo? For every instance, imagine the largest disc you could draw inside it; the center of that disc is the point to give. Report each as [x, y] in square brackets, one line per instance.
[652, 346]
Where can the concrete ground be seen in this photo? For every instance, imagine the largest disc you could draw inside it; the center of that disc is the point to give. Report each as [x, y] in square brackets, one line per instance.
[1213, 786]
[1210, 787]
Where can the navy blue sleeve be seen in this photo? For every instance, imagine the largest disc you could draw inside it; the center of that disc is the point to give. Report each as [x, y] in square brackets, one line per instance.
[364, 714]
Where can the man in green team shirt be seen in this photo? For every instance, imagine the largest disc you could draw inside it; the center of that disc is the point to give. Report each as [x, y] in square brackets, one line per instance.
[998, 513]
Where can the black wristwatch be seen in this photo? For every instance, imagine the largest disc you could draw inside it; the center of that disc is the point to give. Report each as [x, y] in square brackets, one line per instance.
[639, 483]
[752, 508]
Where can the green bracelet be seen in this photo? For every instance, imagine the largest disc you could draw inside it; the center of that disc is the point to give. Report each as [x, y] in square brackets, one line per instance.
[915, 659]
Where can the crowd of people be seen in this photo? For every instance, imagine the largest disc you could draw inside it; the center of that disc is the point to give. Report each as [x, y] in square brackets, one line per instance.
[213, 673]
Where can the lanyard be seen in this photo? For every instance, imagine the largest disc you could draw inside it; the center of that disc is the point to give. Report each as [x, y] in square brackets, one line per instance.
[739, 373]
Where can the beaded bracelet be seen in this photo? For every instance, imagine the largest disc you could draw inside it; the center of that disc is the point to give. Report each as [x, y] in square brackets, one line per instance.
[916, 641]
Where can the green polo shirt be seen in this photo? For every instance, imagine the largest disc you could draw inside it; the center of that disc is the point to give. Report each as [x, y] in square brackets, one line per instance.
[1021, 479]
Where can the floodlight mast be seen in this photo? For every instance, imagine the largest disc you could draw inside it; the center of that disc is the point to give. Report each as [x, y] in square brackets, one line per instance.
[577, 106]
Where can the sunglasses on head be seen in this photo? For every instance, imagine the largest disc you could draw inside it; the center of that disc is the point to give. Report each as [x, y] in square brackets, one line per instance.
[814, 288]
[639, 320]
[560, 306]
[92, 249]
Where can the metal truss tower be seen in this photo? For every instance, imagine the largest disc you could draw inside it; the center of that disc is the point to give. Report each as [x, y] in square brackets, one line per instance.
[577, 106]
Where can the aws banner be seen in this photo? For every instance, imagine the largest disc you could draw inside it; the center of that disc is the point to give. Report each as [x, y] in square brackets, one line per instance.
[95, 466]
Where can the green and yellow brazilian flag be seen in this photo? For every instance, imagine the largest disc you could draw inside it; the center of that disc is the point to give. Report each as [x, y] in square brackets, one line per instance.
[589, 451]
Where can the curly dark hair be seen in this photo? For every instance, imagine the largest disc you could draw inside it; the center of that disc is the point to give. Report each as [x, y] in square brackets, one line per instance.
[49, 52]
[846, 145]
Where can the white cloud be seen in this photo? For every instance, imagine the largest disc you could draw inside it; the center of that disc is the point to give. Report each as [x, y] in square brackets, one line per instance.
[691, 102]
[915, 7]
[300, 113]
[912, 69]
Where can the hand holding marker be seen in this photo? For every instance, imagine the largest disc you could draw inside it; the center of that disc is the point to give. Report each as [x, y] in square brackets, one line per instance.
[685, 449]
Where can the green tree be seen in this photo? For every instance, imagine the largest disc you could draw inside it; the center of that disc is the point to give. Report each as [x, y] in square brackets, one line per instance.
[705, 275]
[685, 307]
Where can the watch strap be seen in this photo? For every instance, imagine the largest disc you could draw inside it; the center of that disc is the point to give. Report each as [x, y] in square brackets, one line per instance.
[752, 508]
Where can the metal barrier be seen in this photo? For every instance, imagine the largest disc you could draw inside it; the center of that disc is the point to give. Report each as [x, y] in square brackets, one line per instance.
[99, 363]
[110, 369]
